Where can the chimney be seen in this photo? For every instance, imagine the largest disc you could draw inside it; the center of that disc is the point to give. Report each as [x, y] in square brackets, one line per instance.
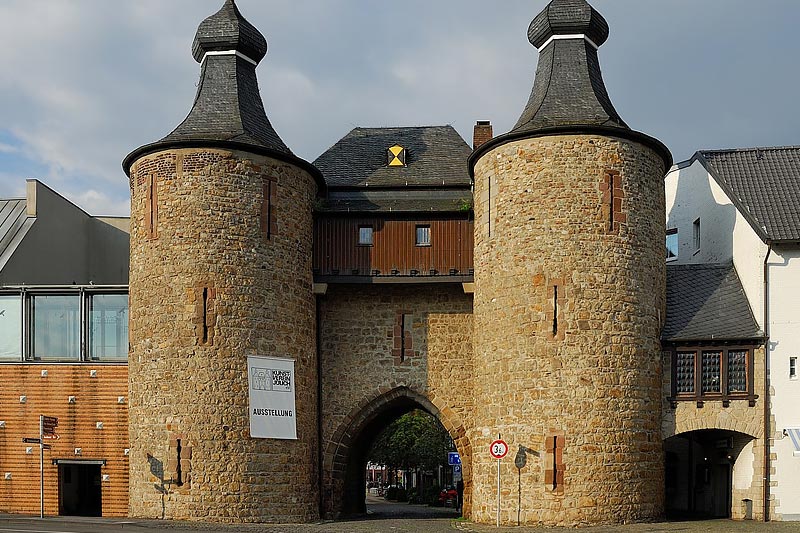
[482, 133]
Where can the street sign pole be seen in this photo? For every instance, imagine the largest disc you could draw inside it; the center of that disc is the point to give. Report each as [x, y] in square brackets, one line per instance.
[41, 466]
[498, 449]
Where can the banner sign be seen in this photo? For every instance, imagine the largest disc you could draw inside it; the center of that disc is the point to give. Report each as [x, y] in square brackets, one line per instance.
[272, 410]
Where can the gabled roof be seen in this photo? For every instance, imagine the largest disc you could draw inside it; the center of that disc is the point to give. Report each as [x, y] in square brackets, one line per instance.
[436, 157]
[707, 303]
[14, 224]
[764, 185]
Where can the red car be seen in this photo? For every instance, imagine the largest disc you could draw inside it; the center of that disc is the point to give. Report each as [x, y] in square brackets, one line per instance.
[448, 497]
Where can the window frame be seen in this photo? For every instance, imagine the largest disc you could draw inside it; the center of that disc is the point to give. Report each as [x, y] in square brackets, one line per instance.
[27, 294]
[696, 234]
[670, 232]
[793, 368]
[371, 229]
[21, 338]
[724, 395]
[417, 241]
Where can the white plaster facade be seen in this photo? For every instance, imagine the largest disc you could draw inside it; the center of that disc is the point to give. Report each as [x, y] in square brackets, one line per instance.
[726, 234]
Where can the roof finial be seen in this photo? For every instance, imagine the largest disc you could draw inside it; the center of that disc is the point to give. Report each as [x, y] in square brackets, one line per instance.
[228, 31]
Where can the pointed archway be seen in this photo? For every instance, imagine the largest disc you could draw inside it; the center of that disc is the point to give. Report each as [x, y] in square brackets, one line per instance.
[345, 453]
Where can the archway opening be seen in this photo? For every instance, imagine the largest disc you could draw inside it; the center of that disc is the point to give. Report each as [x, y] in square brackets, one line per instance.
[357, 454]
[702, 469]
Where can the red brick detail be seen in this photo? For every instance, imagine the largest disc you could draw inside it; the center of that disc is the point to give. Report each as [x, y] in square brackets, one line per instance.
[151, 213]
[554, 462]
[613, 200]
[482, 133]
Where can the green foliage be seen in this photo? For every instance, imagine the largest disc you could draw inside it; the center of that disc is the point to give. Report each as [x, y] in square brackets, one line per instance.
[415, 440]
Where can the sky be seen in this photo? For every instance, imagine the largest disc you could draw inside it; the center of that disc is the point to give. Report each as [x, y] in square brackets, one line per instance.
[84, 82]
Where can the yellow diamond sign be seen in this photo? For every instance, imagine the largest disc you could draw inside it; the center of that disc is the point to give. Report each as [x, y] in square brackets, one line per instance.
[397, 156]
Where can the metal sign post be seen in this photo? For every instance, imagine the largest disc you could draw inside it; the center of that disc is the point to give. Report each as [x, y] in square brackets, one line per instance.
[41, 466]
[498, 450]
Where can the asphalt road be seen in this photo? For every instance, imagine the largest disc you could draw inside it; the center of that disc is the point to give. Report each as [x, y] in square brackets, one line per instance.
[384, 518]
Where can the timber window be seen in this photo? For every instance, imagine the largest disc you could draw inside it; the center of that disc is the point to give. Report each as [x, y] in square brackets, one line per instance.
[365, 234]
[269, 199]
[714, 373]
[423, 235]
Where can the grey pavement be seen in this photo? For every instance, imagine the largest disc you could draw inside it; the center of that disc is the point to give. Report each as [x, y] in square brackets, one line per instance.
[384, 518]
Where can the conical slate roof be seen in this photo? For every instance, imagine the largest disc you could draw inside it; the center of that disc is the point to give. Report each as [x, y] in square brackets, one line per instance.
[228, 111]
[569, 94]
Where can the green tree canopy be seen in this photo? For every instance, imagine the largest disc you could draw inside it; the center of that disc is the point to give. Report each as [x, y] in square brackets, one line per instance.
[415, 440]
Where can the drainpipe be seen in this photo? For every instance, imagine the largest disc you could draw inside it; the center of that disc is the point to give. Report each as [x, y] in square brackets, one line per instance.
[766, 477]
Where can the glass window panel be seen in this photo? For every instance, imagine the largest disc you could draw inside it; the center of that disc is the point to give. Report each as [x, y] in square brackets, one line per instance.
[737, 371]
[423, 235]
[684, 367]
[711, 376]
[365, 235]
[672, 245]
[10, 327]
[55, 327]
[108, 327]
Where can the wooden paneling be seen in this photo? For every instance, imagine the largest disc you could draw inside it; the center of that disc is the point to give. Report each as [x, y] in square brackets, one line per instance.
[336, 249]
[96, 400]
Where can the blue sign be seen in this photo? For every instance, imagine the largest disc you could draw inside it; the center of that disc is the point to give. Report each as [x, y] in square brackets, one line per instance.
[453, 458]
[456, 469]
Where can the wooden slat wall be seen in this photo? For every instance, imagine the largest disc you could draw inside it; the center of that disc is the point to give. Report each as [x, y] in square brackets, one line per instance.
[336, 247]
[96, 401]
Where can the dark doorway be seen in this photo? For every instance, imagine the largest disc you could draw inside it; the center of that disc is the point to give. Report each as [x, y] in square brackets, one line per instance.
[79, 490]
[699, 473]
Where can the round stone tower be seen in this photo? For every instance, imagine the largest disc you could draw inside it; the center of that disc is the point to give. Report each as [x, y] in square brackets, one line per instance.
[221, 229]
[569, 296]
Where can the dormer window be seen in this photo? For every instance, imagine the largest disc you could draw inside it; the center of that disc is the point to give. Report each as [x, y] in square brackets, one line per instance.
[397, 156]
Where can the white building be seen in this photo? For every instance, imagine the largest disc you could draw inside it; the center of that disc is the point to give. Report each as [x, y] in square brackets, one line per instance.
[742, 207]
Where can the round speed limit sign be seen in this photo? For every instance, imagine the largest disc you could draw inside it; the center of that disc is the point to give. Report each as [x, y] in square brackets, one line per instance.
[498, 449]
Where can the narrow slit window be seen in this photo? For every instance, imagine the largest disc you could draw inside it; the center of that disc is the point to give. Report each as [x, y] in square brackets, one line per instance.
[555, 463]
[696, 234]
[205, 316]
[178, 469]
[793, 368]
[612, 183]
[555, 309]
[152, 207]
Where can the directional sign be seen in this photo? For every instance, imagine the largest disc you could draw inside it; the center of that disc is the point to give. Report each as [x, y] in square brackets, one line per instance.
[453, 458]
[498, 449]
[49, 424]
[51, 436]
[30, 440]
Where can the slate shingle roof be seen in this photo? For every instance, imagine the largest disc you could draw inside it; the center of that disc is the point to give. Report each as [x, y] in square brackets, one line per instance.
[14, 224]
[705, 303]
[436, 157]
[764, 184]
[569, 94]
[228, 111]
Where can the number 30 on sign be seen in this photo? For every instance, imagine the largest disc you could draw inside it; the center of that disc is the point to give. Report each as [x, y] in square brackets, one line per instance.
[498, 449]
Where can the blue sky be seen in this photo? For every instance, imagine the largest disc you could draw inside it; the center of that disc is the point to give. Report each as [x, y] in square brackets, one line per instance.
[84, 82]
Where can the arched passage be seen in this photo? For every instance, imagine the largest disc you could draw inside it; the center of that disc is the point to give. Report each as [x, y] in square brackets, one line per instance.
[710, 473]
[345, 454]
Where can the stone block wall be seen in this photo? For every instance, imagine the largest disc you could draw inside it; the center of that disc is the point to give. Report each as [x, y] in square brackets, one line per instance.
[365, 372]
[569, 305]
[208, 287]
[740, 417]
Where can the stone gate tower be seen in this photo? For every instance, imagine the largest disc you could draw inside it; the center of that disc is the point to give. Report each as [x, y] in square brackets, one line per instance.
[569, 295]
[221, 230]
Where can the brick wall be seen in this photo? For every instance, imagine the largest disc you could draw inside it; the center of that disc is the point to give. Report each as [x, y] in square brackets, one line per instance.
[569, 301]
[100, 395]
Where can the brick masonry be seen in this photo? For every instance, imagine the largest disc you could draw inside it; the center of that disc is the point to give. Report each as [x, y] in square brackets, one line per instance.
[569, 303]
[363, 375]
[100, 395]
[207, 289]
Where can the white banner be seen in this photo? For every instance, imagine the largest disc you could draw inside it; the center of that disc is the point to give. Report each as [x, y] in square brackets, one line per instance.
[272, 412]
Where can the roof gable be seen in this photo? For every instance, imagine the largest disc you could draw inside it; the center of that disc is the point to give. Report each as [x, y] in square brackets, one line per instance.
[707, 302]
[436, 156]
[763, 184]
